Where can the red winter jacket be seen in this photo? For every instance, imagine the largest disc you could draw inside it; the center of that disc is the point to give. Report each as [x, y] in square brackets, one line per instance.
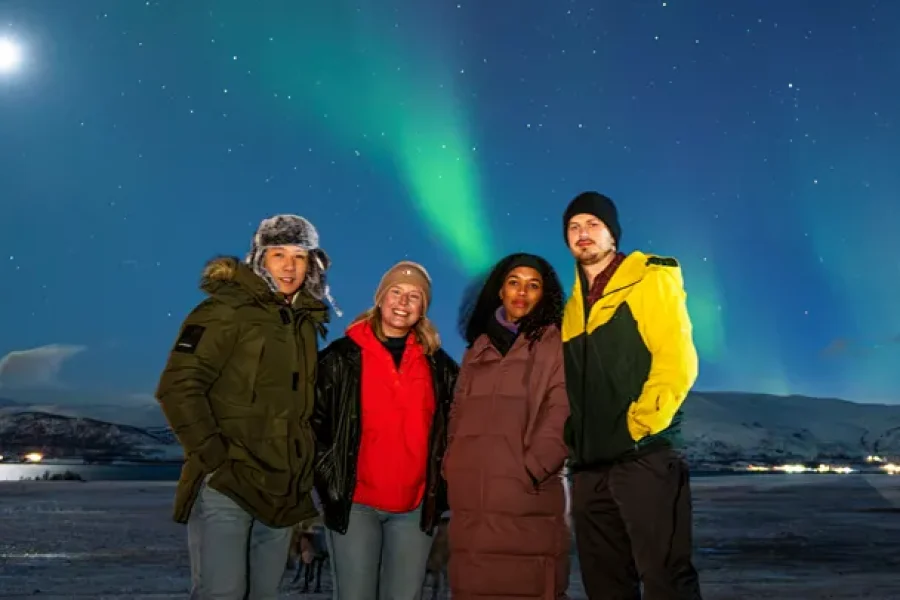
[397, 411]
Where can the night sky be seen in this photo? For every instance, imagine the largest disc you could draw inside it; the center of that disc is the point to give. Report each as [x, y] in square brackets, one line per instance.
[756, 142]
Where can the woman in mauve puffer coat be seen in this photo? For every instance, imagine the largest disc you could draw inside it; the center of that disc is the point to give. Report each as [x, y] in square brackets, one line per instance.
[508, 532]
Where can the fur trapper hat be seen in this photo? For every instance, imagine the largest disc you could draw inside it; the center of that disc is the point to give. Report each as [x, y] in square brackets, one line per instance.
[292, 230]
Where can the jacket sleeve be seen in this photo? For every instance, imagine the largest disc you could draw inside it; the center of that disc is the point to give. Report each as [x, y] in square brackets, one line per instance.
[665, 327]
[459, 388]
[323, 408]
[451, 375]
[548, 451]
[205, 343]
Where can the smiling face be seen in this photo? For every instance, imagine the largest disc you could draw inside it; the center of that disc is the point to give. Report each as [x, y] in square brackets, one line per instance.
[401, 309]
[522, 289]
[590, 240]
[287, 265]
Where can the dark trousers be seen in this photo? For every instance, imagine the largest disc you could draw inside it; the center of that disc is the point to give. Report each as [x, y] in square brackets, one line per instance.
[632, 526]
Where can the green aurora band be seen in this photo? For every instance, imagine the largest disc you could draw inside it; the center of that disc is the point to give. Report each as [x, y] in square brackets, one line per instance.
[390, 96]
[350, 72]
[706, 304]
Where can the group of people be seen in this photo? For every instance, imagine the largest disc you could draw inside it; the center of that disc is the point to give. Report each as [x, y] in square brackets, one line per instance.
[391, 433]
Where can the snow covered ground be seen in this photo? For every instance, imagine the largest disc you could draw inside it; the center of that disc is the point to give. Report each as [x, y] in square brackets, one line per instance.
[765, 536]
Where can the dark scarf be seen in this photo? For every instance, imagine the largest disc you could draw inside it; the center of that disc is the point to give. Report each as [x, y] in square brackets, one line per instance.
[501, 332]
[396, 346]
[598, 286]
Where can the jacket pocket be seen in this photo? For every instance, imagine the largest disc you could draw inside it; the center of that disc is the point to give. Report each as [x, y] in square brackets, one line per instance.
[304, 447]
[517, 457]
[250, 369]
[190, 483]
[237, 385]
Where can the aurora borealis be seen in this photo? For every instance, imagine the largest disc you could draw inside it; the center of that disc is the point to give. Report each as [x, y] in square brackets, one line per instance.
[755, 143]
[390, 97]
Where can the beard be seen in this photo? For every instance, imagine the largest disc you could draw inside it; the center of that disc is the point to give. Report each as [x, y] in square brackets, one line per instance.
[592, 255]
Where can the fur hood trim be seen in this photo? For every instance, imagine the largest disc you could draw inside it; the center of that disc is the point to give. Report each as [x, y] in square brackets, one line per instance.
[221, 268]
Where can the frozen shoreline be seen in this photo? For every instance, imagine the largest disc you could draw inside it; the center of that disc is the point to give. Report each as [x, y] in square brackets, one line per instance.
[766, 536]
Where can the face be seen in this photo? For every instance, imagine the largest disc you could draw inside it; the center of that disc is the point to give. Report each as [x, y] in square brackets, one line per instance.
[589, 239]
[522, 289]
[401, 309]
[287, 265]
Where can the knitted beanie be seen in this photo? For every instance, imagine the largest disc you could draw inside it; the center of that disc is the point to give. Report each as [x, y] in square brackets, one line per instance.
[405, 272]
[592, 203]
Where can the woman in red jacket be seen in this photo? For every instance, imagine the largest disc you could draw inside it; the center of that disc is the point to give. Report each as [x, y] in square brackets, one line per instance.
[382, 405]
[508, 532]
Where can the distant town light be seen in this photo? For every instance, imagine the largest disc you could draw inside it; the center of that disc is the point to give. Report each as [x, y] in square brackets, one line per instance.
[891, 469]
[796, 468]
[758, 468]
[792, 468]
[34, 457]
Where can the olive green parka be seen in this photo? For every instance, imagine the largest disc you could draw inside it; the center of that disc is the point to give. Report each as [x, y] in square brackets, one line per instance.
[238, 391]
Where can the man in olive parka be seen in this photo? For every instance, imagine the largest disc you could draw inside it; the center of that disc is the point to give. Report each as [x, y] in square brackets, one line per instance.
[238, 391]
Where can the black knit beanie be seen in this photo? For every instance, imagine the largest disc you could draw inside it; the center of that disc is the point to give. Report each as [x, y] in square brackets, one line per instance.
[593, 203]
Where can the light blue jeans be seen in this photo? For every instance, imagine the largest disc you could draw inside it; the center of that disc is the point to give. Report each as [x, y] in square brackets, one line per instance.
[382, 556]
[233, 556]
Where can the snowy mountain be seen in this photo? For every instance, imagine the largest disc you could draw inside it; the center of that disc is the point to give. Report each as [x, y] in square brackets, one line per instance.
[138, 410]
[723, 427]
[68, 437]
[163, 433]
[719, 428]
[142, 416]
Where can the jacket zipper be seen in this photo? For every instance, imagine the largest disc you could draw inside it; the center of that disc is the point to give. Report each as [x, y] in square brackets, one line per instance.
[293, 326]
[605, 294]
[584, 371]
[584, 366]
[298, 375]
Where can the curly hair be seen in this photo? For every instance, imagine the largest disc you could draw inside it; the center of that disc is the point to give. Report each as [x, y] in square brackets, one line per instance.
[481, 299]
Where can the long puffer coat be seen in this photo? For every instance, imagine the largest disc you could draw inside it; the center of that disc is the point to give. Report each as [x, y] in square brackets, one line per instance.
[508, 532]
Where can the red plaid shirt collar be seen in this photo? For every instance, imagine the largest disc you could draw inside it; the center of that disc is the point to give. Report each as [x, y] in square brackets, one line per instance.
[602, 280]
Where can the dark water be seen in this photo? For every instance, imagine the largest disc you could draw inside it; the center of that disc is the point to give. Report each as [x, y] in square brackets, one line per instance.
[164, 472]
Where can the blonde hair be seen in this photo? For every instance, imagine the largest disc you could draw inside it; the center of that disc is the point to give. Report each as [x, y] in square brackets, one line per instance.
[425, 331]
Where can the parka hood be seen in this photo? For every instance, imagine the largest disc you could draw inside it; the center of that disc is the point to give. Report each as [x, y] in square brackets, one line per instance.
[231, 280]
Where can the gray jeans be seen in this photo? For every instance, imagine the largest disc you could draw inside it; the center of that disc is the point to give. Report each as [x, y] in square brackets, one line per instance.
[233, 556]
[382, 556]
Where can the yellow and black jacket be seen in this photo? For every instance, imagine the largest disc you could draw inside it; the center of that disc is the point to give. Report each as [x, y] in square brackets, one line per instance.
[630, 361]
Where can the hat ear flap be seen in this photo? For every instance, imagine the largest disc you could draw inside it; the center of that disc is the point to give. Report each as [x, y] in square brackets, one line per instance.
[321, 258]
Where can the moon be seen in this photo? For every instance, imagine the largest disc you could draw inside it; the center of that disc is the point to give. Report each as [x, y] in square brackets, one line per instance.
[10, 55]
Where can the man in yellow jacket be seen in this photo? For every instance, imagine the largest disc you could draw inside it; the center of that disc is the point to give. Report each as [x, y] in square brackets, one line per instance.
[630, 362]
